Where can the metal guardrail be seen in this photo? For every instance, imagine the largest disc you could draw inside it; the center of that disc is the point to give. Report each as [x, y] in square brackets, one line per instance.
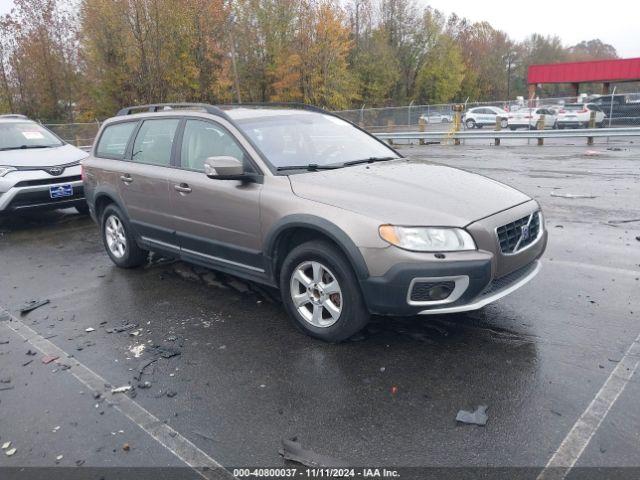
[506, 134]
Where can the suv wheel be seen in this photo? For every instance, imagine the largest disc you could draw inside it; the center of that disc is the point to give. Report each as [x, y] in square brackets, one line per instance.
[119, 241]
[321, 293]
[470, 123]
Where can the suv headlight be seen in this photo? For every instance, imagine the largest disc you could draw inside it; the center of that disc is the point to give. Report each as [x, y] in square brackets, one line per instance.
[5, 170]
[427, 239]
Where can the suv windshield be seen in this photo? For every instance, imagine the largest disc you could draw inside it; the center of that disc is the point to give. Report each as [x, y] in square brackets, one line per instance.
[312, 139]
[17, 135]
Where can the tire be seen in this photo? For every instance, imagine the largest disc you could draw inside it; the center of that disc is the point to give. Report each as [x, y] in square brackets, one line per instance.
[82, 209]
[470, 123]
[307, 271]
[513, 129]
[504, 123]
[118, 239]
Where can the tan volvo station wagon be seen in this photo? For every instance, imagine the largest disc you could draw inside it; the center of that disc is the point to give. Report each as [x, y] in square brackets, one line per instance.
[297, 198]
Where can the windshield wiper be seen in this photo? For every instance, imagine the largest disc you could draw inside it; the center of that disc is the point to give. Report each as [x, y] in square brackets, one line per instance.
[312, 167]
[368, 160]
[24, 147]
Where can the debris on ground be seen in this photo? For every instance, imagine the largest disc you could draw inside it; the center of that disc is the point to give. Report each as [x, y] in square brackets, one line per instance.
[28, 362]
[10, 452]
[3, 389]
[123, 328]
[6, 445]
[293, 450]
[90, 329]
[126, 447]
[59, 457]
[4, 342]
[31, 353]
[47, 359]
[479, 417]
[30, 305]
[5, 380]
[164, 351]
[572, 195]
[171, 393]
[616, 222]
[123, 389]
[137, 350]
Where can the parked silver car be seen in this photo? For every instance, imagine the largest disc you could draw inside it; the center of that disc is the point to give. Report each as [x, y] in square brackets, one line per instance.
[297, 198]
[38, 170]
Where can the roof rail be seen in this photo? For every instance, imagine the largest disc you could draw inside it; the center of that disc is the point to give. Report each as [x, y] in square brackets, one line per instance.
[14, 115]
[156, 107]
[294, 105]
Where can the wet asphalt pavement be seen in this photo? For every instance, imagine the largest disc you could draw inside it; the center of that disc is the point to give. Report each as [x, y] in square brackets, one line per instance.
[245, 378]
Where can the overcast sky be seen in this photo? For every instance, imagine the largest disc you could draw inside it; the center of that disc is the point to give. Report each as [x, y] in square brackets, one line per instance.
[615, 21]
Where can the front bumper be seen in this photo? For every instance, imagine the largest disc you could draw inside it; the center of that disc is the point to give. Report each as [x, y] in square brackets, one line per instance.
[480, 277]
[31, 197]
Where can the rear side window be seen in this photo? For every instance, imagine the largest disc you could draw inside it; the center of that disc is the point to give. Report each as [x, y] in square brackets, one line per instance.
[113, 141]
[154, 142]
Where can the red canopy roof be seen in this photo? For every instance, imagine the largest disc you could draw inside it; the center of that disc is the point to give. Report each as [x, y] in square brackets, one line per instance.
[617, 70]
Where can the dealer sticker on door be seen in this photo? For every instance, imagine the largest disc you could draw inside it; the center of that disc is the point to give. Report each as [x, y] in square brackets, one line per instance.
[59, 191]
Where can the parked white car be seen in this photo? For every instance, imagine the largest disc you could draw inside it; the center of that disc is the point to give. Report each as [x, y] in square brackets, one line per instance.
[436, 117]
[528, 118]
[576, 115]
[478, 117]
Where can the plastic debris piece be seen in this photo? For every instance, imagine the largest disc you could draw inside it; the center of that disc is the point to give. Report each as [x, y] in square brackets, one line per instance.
[171, 393]
[6, 445]
[394, 390]
[59, 457]
[124, 328]
[478, 417]
[55, 429]
[47, 359]
[122, 389]
[10, 452]
[571, 195]
[90, 329]
[126, 447]
[32, 305]
[293, 450]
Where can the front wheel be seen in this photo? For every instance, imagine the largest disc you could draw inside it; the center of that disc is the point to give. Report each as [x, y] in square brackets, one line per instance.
[470, 123]
[504, 123]
[321, 293]
[119, 241]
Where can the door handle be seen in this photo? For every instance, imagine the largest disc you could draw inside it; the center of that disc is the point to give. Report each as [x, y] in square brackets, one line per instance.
[126, 178]
[182, 188]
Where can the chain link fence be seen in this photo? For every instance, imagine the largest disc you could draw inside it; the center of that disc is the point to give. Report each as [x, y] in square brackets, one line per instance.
[619, 110]
[78, 134]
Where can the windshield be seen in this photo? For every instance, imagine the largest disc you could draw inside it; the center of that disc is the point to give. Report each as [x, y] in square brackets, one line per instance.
[311, 139]
[15, 135]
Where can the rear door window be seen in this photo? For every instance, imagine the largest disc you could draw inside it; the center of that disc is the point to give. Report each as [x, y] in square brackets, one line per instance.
[113, 141]
[154, 141]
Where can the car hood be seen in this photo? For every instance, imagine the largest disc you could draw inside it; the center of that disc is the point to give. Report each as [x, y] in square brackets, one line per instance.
[409, 192]
[42, 157]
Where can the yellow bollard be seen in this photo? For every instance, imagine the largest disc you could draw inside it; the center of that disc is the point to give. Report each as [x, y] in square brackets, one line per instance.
[422, 126]
[496, 141]
[540, 126]
[592, 124]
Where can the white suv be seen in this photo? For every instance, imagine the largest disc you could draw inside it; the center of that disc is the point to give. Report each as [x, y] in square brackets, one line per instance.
[478, 117]
[38, 170]
[577, 115]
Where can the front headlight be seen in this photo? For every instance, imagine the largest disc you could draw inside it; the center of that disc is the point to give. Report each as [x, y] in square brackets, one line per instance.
[427, 239]
[5, 170]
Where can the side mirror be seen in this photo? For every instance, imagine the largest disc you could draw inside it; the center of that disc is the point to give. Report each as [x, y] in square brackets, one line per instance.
[224, 168]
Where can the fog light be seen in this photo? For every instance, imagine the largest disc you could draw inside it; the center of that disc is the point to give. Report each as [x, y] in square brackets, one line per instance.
[431, 291]
[441, 291]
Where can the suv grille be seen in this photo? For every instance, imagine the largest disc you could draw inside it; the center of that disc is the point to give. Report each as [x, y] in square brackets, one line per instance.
[517, 235]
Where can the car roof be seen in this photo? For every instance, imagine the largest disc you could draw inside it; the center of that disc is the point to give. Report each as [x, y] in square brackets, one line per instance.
[12, 119]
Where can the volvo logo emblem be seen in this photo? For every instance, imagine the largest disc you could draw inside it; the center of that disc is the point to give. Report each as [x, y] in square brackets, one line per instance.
[524, 232]
[55, 171]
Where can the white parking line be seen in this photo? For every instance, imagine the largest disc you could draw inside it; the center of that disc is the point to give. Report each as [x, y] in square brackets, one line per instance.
[573, 445]
[169, 438]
